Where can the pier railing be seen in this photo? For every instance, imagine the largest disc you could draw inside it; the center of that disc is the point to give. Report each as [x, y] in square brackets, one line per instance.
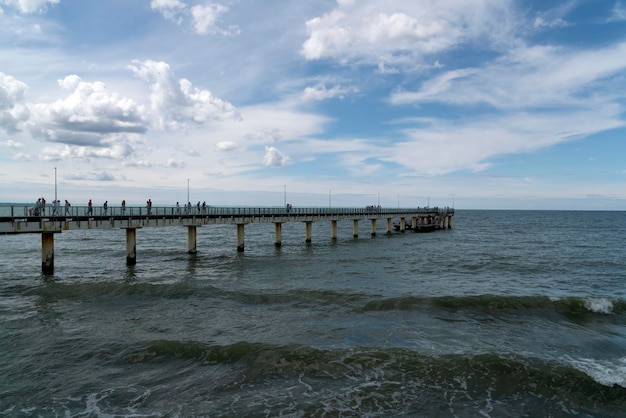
[25, 211]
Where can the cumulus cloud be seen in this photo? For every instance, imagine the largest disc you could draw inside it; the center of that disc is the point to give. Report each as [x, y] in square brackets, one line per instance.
[13, 110]
[29, 6]
[176, 103]
[227, 146]
[115, 151]
[398, 31]
[10, 144]
[274, 158]
[88, 116]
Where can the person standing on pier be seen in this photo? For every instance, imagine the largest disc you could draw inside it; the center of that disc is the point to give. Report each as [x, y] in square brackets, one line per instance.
[105, 207]
[149, 206]
[89, 208]
[177, 208]
[123, 207]
[43, 206]
[67, 207]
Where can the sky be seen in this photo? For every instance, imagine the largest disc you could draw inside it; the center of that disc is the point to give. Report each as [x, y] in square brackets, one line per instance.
[475, 104]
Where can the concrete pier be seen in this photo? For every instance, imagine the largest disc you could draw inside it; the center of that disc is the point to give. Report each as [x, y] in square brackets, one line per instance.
[191, 239]
[47, 253]
[240, 237]
[308, 232]
[22, 221]
[131, 246]
[278, 241]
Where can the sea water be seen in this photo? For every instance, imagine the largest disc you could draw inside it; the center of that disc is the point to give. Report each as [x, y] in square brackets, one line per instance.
[509, 313]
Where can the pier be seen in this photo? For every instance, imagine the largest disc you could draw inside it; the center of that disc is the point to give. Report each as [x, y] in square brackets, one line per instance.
[51, 221]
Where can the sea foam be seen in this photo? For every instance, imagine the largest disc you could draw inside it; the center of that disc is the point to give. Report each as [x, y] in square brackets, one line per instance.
[605, 372]
[599, 305]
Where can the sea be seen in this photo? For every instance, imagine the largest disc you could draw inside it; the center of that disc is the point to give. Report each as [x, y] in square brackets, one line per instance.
[506, 314]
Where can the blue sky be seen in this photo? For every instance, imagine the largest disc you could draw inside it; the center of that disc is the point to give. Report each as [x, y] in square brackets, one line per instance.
[486, 104]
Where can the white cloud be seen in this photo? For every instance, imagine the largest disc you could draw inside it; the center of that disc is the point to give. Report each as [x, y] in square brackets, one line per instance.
[227, 146]
[88, 116]
[177, 103]
[205, 18]
[526, 77]
[29, 6]
[170, 9]
[13, 110]
[274, 158]
[10, 144]
[396, 31]
[445, 147]
[20, 156]
[618, 14]
[320, 92]
[116, 151]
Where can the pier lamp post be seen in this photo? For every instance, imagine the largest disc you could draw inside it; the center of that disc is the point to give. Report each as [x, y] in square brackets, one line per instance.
[55, 185]
[188, 191]
[285, 194]
[329, 192]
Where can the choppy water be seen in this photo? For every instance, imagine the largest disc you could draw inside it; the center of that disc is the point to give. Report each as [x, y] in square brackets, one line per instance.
[507, 314]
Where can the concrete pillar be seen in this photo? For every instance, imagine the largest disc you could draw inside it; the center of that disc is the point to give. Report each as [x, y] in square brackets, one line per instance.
[333, 229]
[131, 246]
[449, 222]
[388, 225]
[279, 234]
[240, 237]
[308, 231]
[414, 222]
[402, 224]
[355, 228]
[373, 227]
[191, 239]
[47, 253]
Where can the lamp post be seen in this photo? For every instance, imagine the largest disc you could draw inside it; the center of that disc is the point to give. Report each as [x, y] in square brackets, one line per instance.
[285, 195]
[188, 191]
[55, 185]
[329, 192]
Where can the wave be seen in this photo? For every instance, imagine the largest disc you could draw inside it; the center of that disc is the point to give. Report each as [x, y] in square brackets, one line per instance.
[573, 307]
[386, 374]
[570, 306]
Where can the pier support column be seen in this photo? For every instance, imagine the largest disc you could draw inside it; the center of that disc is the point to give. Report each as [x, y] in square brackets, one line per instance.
[402, 224]
[355, 228]
[47, 253]
[131, 246]
[414, 222]
[333, 230]
[240, 237]
[373, 227]
[191, 239]
[308, 231]
[449, 222]
[279, 234]
[388, 225]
